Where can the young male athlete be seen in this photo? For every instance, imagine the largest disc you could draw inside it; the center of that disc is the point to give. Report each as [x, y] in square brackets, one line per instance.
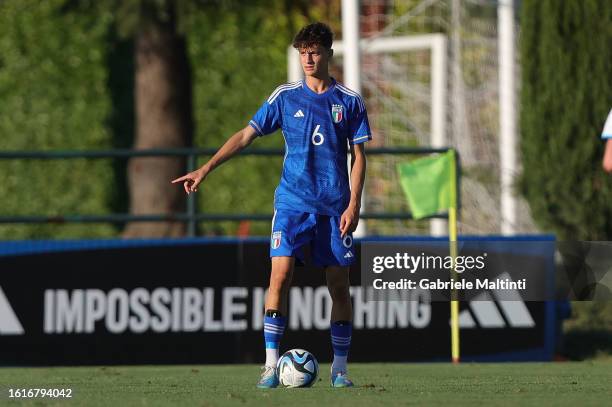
[606, 134]
[321, 121]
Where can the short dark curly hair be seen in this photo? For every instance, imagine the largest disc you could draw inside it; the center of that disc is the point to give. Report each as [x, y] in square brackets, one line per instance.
[314, 34]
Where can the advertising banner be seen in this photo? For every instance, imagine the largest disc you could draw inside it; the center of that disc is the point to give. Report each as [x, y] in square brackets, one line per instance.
[202, 301]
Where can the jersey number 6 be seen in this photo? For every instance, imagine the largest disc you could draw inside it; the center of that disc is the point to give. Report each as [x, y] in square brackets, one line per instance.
[317, 138]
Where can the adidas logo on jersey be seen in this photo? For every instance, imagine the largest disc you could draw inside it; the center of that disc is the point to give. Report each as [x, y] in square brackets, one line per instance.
[348, 255]
[299, 113]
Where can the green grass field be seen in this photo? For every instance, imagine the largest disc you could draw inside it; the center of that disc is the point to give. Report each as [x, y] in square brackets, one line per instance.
[553, 384]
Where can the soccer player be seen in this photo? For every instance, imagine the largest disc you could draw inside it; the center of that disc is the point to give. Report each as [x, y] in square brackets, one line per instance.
[606, 134]
[321, 121]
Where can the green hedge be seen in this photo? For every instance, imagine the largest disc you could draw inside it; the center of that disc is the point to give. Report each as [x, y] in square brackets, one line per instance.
[66, 83]
[53, 87]
[566, 63]
[238, 59]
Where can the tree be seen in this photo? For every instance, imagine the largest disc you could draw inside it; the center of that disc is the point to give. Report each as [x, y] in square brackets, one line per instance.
[163, 112]
[566, 92]
[164, 92]
[68, 79]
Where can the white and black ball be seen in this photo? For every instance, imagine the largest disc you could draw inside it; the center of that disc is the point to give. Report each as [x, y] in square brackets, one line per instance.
[297, 368]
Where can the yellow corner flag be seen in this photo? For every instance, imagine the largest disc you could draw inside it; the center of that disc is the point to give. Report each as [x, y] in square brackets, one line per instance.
[430, 186]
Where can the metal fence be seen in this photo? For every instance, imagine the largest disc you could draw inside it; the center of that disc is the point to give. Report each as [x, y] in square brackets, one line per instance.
[191, 216]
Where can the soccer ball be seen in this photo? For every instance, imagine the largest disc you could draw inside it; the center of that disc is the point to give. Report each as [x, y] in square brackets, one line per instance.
[297, 368]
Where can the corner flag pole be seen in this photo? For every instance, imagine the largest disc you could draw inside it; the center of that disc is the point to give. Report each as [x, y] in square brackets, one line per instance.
[452, 237]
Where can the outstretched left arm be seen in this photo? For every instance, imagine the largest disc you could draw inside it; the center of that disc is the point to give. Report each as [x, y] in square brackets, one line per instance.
[350, 217]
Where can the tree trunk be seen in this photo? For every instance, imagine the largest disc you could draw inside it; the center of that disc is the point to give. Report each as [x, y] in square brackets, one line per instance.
[163, 120]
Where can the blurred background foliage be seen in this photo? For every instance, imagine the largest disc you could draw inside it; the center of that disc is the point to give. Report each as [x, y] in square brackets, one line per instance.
[55, 95]
[66, 80]
[566, 94]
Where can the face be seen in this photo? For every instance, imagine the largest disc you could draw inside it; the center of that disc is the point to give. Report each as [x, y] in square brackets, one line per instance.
[315, 60]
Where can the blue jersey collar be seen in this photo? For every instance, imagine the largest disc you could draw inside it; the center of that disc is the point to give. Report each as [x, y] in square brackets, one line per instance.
[325, 94]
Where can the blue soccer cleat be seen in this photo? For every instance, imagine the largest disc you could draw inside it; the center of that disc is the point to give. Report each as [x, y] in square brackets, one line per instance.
[268, 378]
[341, 380]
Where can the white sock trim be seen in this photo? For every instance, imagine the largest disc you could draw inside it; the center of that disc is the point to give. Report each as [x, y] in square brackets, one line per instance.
[271, 357]
[339, 364]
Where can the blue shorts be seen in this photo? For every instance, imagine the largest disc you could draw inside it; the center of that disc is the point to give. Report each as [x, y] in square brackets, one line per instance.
[291, 230]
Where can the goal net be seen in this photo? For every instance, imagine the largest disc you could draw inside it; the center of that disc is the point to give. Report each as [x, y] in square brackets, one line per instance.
[404, 104]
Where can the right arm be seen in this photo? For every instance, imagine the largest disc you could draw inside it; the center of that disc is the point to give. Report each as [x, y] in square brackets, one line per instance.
[232, 146]
[607, 159]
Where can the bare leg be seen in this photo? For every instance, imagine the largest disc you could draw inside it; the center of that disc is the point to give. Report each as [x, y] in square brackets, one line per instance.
[280, 282]
[338, 285]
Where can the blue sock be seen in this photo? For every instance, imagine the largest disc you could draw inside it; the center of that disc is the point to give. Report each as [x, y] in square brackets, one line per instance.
[274, 327]
[341, 342]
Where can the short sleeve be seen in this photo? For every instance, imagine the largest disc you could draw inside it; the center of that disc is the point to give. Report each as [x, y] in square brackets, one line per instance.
[359, 127]
[267, 119]
[607, 130]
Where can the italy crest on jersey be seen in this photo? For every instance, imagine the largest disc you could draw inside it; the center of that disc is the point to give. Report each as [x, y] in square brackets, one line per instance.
[276, 240]
[337, 113]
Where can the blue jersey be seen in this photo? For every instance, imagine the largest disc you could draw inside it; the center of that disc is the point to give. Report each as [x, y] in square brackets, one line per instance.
[607, 131]
[317, 129]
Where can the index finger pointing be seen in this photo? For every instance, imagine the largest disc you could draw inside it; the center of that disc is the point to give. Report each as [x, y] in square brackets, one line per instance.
[183, 178]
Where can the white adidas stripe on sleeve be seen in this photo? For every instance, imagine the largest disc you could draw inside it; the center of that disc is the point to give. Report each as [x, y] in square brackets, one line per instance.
[282, 88]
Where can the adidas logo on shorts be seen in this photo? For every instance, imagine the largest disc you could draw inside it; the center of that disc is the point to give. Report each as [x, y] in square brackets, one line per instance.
[348, 255]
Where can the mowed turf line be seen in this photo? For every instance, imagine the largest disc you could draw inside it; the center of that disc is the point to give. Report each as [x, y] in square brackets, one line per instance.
[541, 384]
